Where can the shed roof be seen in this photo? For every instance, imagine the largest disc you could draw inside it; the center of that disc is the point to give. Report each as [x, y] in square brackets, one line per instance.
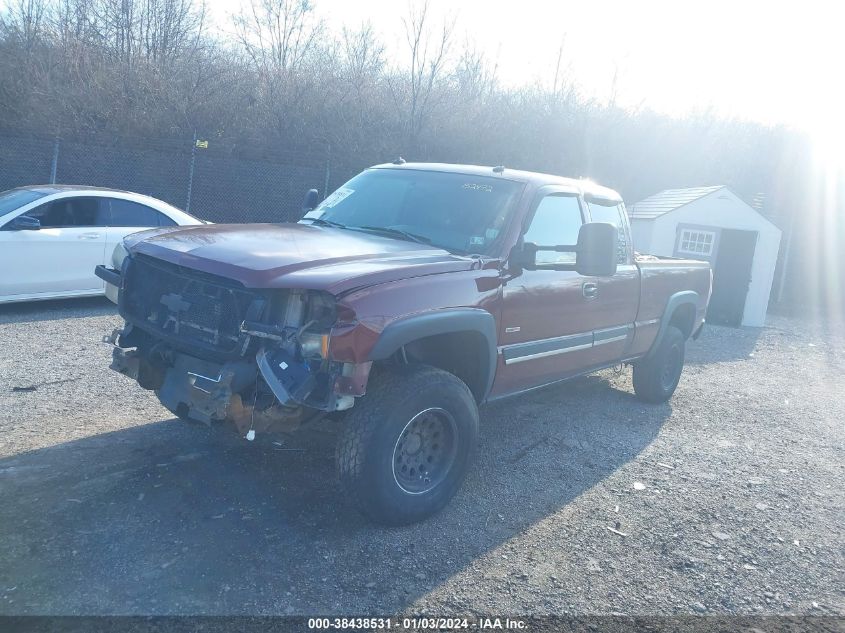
[668, 200]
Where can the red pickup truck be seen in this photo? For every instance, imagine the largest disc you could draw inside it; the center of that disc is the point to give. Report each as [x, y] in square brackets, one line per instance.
[397, 305]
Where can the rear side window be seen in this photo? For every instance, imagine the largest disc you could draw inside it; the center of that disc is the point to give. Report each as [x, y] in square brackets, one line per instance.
[71, 212]
[612, 215]
[556, 222]
[128, 213]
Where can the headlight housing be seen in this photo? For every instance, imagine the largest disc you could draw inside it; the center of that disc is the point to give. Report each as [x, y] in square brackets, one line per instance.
[314, 345]
[118, 255]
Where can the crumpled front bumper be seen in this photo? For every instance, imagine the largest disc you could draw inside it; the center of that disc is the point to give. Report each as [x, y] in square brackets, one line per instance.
[191, 387]
[211, 391]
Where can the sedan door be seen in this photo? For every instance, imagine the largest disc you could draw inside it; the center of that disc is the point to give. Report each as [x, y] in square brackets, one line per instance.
[58, 258]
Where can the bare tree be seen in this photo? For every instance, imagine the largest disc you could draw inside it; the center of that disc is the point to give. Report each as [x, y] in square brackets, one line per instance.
[25, 20]
[170, 29]
[357, 115]
[278, 35]
[278, 39]
[475, 78]
[155, 32]
[74, 24]
[362, 56]
[429, 55]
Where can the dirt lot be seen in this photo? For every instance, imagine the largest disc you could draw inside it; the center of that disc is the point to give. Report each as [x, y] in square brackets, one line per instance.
[730, 497]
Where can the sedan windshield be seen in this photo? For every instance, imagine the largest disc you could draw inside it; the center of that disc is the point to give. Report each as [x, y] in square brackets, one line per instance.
[16, 198]
[458, 212]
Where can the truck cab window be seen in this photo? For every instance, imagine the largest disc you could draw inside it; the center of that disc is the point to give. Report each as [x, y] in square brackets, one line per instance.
[556, 221]
[612, 215]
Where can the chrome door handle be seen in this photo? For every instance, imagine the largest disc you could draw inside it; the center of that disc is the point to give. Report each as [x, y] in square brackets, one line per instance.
[89, 236]
[590, 290]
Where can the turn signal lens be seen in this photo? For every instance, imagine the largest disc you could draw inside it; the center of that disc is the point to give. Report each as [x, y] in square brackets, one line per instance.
[314, 345]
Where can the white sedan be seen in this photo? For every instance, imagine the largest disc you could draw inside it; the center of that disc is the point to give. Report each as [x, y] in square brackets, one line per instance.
[52, 237]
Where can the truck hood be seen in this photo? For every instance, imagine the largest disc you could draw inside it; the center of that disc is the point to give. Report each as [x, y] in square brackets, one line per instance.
[295, 255]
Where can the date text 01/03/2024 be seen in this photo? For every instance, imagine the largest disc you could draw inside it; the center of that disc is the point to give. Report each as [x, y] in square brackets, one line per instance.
[421, 623]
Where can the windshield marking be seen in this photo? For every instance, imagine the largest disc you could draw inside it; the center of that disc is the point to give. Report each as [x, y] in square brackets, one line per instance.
[337, 196]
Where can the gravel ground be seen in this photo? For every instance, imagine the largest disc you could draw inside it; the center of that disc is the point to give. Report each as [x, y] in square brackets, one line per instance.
[728, 499]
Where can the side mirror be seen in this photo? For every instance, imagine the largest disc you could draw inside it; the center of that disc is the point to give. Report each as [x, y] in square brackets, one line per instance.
[597, 250]
[24, 223]
[312, 199]
[594, 254]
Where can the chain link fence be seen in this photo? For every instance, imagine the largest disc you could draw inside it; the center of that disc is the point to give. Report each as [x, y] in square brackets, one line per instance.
[213, 180]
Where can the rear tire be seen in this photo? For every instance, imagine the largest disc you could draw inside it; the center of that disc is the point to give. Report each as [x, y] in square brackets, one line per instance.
[406, 446]
[656, 377]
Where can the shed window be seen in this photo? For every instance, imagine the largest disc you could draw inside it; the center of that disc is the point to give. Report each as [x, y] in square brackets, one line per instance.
[696, 242]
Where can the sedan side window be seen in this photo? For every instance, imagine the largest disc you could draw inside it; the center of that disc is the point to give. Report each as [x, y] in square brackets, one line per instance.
[70, 212]
[50, 215]
[556, 222]
[128, 213]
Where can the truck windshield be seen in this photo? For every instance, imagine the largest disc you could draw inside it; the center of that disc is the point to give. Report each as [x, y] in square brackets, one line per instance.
[457, 212]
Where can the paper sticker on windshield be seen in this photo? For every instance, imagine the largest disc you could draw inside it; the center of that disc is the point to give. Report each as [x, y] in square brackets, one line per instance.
[492, 234]
[476, 240]
[313, 213]
[337, 196]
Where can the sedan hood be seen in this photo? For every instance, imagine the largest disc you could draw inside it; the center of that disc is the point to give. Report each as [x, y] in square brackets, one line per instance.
[295, 255]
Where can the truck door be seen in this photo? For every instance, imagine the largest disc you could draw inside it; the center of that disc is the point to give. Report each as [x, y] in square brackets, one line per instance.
[556, 324]
[616, 299]
[546, 327]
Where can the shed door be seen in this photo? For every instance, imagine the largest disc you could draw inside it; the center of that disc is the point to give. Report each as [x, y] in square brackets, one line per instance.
[731, 276]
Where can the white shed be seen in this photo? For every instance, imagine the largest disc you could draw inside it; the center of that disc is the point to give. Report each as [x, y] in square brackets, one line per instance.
[714, 224]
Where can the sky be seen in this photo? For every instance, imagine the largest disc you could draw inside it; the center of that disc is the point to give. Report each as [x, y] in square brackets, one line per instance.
[771, 62]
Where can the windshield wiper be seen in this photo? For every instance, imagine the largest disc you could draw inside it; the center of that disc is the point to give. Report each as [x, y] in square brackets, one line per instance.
[389, 230]
[323, 222]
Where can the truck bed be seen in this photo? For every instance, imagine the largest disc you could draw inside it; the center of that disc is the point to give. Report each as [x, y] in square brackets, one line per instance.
[660, 278]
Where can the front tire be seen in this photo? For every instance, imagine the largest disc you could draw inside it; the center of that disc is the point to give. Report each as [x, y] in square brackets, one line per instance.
[406, 446]
[656, 377]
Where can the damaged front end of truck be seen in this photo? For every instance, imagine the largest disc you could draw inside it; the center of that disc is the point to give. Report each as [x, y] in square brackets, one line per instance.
[214, 350]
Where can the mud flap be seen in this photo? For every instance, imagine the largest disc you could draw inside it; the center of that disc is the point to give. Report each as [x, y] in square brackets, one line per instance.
[290, 380]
